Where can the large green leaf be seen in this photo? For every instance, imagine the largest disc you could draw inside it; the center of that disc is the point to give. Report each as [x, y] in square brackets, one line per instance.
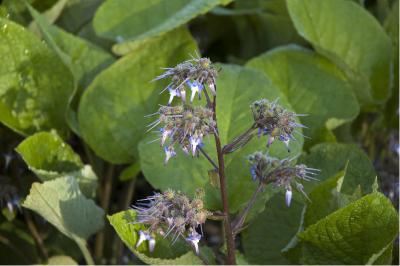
[331, 158]
[35, 85]
[350, 36]
[238, 87]
[111, 112]
[128, 232]
[312, 85]
[357, 234]
[132, 20]
[272, 230]
[49, 157]
[61, 203]
[84, 59]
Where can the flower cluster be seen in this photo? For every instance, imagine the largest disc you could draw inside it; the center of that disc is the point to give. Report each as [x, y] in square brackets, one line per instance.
[194, 74]
[185, 125]
[280, 173]
[171, 213]
[275, 121]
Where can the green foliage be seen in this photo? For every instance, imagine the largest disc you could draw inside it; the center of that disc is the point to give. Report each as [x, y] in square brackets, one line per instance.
[35, 84]
[125, 95]
[116, 20]
[313, 86]
[61, 203]
[344, 237]
[325, 24]
[49, 157]
[77, 94]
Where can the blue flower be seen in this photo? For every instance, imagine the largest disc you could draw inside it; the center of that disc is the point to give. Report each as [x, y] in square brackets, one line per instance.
[169, 153]
[195, 87]
[145, 236]
[194, 239]
[172, 93]
[253, 173]
[194, 143]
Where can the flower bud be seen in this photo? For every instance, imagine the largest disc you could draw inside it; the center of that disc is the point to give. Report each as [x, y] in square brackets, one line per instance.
[275, 121]
[280, 173]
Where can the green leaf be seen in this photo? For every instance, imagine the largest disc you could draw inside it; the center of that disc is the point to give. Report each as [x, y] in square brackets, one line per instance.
[271, 231]
[326, 198]
[62, 204]
[111, 112]
[49, 157]
[61, 260]
[35, 85]
[238, 87]
[363, 49]
[128, 232]
[312, 85]
[357, 234]
[331, 158]
[117, 20]
[84, 59]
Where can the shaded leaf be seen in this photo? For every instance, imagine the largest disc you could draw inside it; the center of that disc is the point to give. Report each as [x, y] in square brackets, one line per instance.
[331, 158]
[35, 85]
[111, 112]
[362, 50]
[49, 157]
[117, 20]
[272, 230]
[61, 203]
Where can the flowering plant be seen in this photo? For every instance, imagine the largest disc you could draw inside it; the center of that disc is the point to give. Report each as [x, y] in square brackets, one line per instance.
[277, 143]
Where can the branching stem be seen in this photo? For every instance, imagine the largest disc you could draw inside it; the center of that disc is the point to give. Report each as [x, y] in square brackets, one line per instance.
[237, 224]
[208, 157]
[230, 241]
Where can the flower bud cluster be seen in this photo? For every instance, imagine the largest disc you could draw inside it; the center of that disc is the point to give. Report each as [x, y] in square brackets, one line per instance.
[171, 213]
[280, 173]
[185, 125]
[193, 74]
[275, 121]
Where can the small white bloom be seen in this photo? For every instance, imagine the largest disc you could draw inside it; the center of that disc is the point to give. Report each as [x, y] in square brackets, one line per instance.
[288, 196]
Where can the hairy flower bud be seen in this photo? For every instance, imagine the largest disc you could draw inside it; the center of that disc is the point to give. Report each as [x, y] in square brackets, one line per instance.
[280, 173]
[185, 126]
[275, 121]
[171, 213]
[195, 74]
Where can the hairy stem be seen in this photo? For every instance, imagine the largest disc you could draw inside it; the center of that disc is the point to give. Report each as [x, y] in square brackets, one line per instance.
[239, 141]
[230, 241]
[104, 202]
[237, 224]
